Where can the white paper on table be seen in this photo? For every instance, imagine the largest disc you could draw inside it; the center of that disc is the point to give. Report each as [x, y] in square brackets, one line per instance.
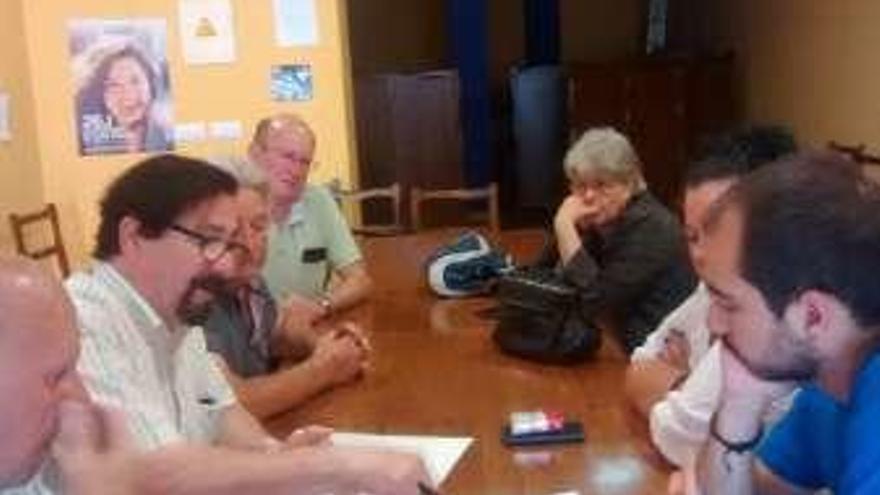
[440, 454]
[5, 128]
[296, 22]
[207, 31]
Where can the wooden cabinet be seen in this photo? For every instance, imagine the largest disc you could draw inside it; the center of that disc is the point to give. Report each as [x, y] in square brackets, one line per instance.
[664, 106]
[409, 131]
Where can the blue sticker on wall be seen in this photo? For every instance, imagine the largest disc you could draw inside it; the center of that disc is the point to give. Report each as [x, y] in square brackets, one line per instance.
[291, 82]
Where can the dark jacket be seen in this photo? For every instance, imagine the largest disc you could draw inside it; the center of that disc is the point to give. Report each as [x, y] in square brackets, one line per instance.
[229, 331]
[633, 271]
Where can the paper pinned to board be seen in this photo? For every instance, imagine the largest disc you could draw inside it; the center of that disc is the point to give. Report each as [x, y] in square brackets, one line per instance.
[440, 454]
[207, 31]
[296, 22]
[5, 128]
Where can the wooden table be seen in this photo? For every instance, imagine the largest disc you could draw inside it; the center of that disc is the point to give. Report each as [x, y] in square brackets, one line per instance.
[436, 371]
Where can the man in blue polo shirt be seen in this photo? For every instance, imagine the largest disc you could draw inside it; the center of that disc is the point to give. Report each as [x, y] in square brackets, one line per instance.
[791, 262]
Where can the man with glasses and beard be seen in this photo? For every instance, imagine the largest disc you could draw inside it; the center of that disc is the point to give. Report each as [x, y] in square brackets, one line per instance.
[167, 236]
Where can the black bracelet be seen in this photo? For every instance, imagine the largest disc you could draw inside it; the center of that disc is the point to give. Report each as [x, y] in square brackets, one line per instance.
[735, 447]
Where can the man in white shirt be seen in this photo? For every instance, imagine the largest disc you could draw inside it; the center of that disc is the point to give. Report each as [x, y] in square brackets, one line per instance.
[674, 378]
[167, 237]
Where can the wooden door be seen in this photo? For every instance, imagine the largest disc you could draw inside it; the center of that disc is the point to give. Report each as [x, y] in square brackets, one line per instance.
[659, 130]
[598, 97]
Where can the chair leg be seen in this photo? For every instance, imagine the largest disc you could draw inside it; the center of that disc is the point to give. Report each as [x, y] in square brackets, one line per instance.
[62, 252]
[494, 209]
[415, 200]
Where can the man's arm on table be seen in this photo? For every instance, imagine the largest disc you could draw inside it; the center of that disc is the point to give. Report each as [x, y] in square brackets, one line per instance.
[196, 470]
[353, 286]
[663, 360]
[336, 359]
[679, 422]
[648, 381]
[97, 456]
[350, 285]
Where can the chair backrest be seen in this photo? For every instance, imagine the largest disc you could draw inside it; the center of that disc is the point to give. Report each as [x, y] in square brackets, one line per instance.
[488, 194]
[390, 193]
[22, 222]
[857, 153]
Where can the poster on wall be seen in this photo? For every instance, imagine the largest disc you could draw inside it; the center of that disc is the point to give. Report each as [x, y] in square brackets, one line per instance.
[206, 31]
[291, 82]
[123, 97]
[296, 22]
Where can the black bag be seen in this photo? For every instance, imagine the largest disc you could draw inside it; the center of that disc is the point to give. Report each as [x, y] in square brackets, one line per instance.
[539, 319]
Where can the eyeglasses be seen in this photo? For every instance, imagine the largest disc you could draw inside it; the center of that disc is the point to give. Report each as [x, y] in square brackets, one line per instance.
[212, 248]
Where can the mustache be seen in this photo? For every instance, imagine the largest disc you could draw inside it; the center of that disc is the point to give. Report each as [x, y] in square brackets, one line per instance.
[191, 310]
[212, 284]
[801, 370]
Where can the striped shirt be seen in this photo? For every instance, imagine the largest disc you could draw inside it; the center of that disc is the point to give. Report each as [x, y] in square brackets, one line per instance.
[162, 378]
[41, 484]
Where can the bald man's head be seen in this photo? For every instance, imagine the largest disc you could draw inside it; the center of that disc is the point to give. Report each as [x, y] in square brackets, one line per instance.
[38, 351]
[281, 124]
[284, 147]
[24, 282]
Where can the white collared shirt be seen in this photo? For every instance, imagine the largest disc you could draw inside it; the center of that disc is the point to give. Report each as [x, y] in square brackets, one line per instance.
[163, 379]
[690, 320]
[40, 484]
[679, 423]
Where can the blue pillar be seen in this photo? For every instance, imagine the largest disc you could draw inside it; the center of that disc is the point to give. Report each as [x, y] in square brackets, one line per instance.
[468, 26]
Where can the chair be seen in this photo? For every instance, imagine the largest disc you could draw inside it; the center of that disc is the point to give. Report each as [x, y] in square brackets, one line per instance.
[488, 194]
[22, 222]
[390, 193]
[857, 153]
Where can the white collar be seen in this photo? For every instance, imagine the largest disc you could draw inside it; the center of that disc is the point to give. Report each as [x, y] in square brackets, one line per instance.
[297, 213]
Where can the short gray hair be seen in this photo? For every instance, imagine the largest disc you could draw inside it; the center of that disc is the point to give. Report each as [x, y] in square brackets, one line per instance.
[246, 173]
[607, 154]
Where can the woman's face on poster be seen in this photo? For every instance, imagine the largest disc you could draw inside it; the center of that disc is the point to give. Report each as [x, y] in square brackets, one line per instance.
[127, 92]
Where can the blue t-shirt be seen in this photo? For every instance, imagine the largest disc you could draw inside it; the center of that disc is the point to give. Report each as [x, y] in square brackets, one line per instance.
[823, 443]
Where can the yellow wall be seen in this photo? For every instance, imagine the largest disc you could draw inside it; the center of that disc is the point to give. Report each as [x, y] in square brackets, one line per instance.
[238, 91]
[809, 63]
[20, 177]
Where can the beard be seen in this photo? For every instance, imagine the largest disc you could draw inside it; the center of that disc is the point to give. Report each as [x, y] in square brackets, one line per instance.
[783, 361]
[197, 301]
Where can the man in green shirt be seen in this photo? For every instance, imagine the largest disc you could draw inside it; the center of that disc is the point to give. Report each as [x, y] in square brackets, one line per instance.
[310, 243]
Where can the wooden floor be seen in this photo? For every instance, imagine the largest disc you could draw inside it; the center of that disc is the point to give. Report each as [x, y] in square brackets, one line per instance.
[437, 372]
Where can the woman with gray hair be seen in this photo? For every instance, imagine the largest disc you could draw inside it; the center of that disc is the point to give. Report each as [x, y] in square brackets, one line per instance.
[621, 248]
